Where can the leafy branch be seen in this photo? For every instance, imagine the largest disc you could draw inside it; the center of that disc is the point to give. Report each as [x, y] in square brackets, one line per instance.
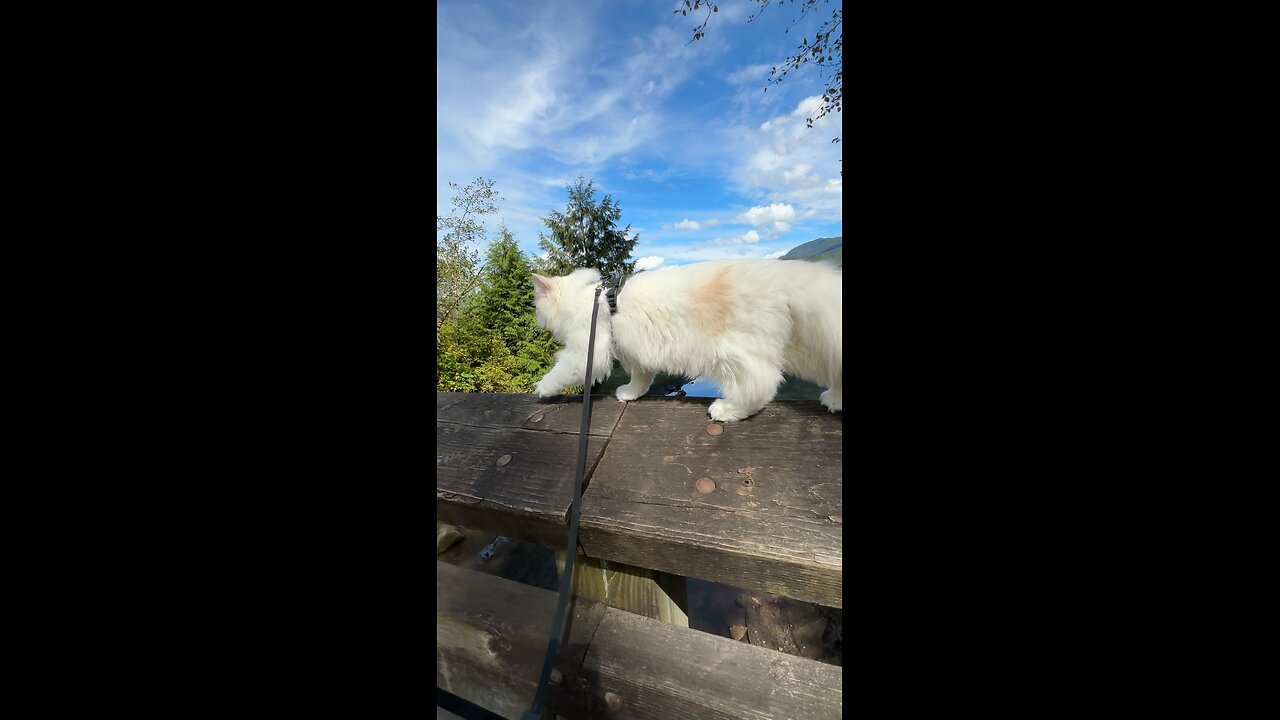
[825, 50]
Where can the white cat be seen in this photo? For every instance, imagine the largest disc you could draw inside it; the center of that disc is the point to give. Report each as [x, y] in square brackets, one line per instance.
[738, 323]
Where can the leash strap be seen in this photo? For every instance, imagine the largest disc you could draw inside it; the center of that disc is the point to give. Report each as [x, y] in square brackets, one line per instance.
[557, 626]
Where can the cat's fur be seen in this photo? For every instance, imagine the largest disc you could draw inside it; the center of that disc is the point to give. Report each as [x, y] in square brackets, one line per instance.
[738, 323]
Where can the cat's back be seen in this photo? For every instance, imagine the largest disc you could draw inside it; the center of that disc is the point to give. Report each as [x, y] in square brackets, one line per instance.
[733, 277]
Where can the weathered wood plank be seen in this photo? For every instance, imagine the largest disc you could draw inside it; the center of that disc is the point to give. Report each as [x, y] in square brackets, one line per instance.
[562, 413]
[491, 637]
[491, 634]
[645, 669]
[515, 482]
[646, 592]
[772, 521]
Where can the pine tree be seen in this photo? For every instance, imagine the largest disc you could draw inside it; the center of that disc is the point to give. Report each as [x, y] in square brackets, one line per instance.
[506, 295]
[495, 344]
[585, 236]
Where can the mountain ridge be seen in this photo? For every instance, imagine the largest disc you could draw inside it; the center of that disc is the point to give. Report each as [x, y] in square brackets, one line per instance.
[829, 248]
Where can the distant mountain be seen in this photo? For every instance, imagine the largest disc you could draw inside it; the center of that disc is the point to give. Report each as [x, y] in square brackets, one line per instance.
[820, 249]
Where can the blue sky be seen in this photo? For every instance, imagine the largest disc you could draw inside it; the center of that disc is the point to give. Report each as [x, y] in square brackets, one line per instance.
[704, 163]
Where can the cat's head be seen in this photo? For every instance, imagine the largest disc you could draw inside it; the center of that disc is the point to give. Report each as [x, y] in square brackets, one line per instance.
[563, 302]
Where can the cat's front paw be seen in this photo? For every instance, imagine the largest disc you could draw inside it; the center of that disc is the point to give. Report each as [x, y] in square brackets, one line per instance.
[724, 412]
[627, 394]
[543, 390]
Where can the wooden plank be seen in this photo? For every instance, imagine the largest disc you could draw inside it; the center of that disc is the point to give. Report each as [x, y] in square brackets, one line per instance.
[491, 635]
[511, 481]
[645, 669]
[650, 593]
[772, 521]
[562, 413]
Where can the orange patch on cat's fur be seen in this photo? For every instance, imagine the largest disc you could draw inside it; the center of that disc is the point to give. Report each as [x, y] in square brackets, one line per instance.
[710, 304]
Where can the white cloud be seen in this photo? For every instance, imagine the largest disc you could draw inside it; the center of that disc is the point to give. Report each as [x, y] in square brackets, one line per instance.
[649, 263]
[687, 224]
[775, 219]
[777, 254]
[748, 238]
[784, 161]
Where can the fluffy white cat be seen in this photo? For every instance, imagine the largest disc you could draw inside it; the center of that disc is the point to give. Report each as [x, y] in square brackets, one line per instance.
[738, 323]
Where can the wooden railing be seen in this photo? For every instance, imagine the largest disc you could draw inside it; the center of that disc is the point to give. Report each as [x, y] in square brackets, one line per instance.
[755, 504]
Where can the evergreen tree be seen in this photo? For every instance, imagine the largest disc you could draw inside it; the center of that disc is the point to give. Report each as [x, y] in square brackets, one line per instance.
[585, 235]
[506, 295]
[494, 344]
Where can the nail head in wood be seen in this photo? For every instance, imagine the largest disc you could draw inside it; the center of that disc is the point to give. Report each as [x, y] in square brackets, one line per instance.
[614, 701]
[705, 485]
[714, 429]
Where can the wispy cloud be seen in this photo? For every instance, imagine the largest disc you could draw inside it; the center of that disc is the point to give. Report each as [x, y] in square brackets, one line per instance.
[681, 134]
[788, 162]
[750, 74]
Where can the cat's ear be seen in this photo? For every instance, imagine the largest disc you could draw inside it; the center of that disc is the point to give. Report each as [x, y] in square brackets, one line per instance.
[541, 285]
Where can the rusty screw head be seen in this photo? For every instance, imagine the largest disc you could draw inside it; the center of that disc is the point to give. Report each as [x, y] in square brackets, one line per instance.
[504, 460]
[557, 677]
[614, 701]
[705, 485]
[714, 429]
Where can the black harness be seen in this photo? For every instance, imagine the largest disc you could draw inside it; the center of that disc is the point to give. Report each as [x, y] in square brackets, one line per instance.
[612, 288]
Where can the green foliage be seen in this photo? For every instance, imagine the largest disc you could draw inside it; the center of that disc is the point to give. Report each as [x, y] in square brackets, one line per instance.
[458, 266]
[493, 344]
[585, 236]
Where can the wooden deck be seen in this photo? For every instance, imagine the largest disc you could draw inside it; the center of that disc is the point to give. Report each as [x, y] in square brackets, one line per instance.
[771, 521]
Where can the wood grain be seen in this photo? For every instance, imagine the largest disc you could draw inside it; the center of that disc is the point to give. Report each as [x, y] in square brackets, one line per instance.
[527, 497]
[491, 635]
[653, 594]
[655, 670]
[562, 413]
[772, 522]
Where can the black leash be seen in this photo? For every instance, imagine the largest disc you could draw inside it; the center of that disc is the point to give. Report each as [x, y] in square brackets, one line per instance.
[553, 645]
